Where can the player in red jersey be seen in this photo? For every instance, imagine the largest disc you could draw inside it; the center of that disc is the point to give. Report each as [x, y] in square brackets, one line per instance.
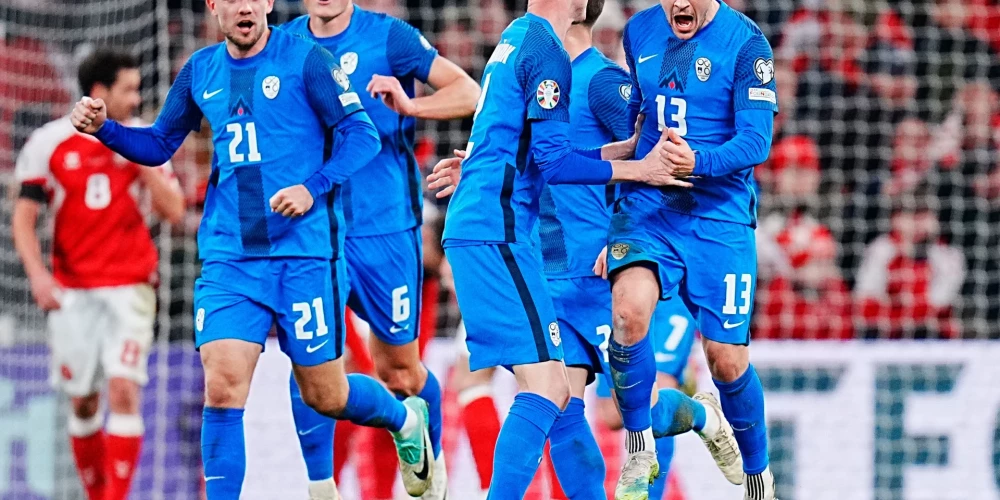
[99, 294]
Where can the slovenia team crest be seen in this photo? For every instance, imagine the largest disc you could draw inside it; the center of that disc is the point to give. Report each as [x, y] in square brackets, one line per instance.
[619, 250]
[548, 94]
[554, 334]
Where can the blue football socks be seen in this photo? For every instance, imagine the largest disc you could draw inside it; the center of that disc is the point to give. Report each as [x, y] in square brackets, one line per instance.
[743, 404]
[520, 445]
[576, 456]
[315, 433]
[223, 452]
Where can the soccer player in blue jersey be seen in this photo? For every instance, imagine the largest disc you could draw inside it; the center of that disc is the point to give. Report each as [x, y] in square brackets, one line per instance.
[705, 72]
[573, 226]
[520, 140]
[266, 238]
[382, 249]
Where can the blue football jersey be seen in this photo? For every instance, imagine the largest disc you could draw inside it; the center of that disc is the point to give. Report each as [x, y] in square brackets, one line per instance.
[273, 126]
[574, 219]
[528, 78]
[387, 195]
[697, 86]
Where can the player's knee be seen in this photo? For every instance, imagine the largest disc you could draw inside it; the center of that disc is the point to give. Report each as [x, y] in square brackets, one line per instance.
[557, 391]
[123, 396]
[405, 380]
[325, 401]
[225, 391]
[631, 322]
[85, 407]
[727, 362]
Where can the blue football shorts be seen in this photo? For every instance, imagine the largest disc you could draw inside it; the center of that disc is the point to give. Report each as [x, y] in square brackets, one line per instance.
[509, 316]
[386, 277]
[583, 306]
[710, 264]
[303, 297]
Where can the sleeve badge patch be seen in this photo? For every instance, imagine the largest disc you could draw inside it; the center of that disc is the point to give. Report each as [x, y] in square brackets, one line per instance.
[768, 95]
[341, 78]
[625, 91]
[764, 69]
[547, 94]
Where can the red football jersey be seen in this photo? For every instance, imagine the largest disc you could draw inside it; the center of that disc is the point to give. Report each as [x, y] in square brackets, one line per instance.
[100, 235]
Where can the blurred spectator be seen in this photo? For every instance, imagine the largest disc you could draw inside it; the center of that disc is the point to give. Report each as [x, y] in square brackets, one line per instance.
[811, 301]
[790, 181]
[909, 281]
[948, 55]
[984, 20]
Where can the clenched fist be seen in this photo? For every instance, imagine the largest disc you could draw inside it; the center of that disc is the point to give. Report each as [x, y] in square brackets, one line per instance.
[292, 201]
[88, 115]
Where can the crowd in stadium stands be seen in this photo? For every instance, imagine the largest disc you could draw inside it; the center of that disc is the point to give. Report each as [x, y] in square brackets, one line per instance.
[880, 205]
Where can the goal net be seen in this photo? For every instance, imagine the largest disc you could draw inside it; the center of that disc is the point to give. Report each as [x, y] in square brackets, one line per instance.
[877, 299]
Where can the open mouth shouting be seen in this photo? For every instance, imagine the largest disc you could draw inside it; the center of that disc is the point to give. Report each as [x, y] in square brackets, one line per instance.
[245, 27]
[683, 23]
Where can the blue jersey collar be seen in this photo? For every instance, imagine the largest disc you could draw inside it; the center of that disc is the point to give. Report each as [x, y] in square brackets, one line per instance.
[584, 55]
[339, 36]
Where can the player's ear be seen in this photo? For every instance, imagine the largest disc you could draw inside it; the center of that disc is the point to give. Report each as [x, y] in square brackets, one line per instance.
[211, 5]
[270, 6]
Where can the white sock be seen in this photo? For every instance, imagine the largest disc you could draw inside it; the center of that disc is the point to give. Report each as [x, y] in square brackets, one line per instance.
[324, 489]
[640, 441]
[410, 425]
[712, 423]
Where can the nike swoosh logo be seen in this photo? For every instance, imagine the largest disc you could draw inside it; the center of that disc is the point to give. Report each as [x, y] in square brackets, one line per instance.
[208, 95]
[396, 329]
[311, 349]
[629, 386]
[212, 478]
[307, 431]
[644, 59]
[422, 474]
[727, 325]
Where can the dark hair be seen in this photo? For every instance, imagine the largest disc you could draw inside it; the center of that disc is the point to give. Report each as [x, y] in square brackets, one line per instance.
[594, 9]
[102, 66]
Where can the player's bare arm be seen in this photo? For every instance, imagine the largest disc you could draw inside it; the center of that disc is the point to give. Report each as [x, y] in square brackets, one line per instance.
[455, 96]
[624, 150]
[44, 287]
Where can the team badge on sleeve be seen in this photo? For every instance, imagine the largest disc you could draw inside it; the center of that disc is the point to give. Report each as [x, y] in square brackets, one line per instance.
[764, 69]
[703, 68]
[548, 94]
[199, 320]
[270, 87]
[341, 78]
[625, 90]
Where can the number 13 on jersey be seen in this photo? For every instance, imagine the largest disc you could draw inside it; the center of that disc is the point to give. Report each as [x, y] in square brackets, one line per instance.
[678, 110]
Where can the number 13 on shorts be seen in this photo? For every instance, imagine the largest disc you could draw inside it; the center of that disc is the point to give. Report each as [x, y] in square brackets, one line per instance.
[745, 288]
